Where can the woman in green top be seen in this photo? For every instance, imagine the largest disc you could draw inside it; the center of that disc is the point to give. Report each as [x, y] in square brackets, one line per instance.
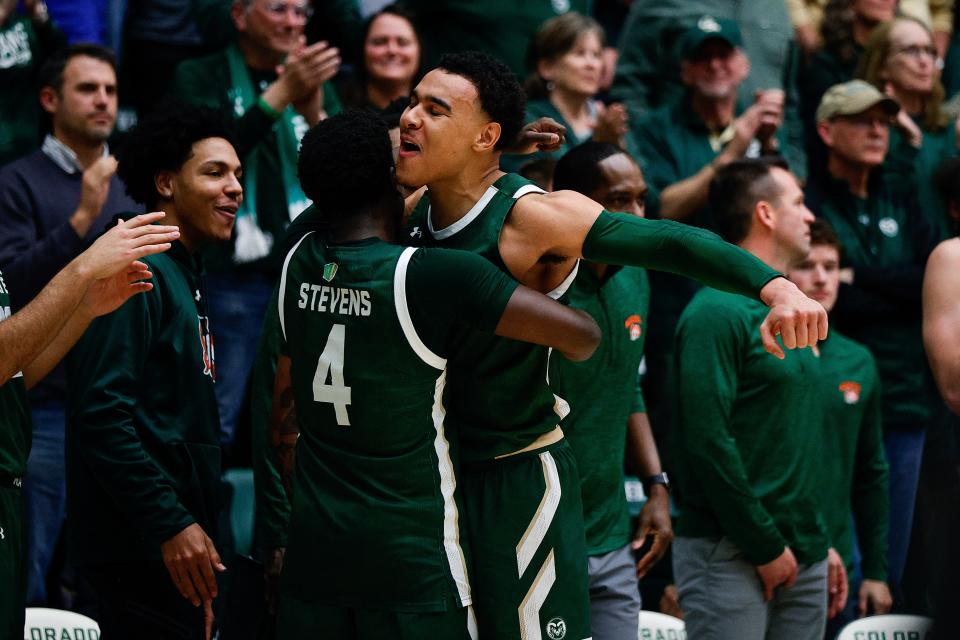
[565, 59]
[900, 59]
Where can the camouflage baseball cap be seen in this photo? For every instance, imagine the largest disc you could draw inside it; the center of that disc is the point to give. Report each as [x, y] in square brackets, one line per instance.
[851, 98]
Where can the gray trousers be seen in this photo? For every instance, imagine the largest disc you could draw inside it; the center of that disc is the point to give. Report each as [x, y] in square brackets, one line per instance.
[722, 597]
[614, 595]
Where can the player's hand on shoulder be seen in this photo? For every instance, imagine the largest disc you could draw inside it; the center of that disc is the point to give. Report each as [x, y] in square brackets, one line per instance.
[799, 321]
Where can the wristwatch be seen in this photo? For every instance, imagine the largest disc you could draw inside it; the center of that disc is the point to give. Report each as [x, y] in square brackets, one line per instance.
[659, 478]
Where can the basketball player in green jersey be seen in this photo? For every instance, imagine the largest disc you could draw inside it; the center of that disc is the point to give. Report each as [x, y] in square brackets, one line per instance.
[375, 548]
[521, 488]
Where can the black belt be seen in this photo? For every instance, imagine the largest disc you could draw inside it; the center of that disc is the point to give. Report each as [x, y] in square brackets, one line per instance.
[10, 480]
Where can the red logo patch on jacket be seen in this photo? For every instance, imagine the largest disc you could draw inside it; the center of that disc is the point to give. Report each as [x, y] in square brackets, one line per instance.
[634, 324]
[850, 391]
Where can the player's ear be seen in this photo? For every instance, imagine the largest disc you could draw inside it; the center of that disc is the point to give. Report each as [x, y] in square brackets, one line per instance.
[163, 182]
[488, 137]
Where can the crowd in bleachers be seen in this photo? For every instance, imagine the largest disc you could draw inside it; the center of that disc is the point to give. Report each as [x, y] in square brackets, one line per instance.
[858, 99]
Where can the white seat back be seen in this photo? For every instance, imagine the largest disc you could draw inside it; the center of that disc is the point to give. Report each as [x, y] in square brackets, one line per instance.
[42, 624]
[894, 626]
[660, 626]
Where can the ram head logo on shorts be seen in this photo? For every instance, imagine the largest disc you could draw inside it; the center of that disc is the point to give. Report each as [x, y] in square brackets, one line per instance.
[850, 391]
[556, 629]
[634, 324]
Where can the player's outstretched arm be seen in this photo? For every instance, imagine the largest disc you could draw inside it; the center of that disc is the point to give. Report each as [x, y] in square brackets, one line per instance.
[533, 317]
[565, 223]
[38, 329]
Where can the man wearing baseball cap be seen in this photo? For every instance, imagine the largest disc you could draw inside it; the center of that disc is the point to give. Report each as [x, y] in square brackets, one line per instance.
[681, 145]
[886, 243]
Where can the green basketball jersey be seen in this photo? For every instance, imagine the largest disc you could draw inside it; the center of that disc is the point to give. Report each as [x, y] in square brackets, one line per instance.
[14, 418]
[376, 513]
[603, 391]
[497, 392]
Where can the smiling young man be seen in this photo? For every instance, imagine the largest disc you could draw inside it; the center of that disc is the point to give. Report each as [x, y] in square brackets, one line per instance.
[143, 453]
[275, 88]
[853, 474]
[519, 478]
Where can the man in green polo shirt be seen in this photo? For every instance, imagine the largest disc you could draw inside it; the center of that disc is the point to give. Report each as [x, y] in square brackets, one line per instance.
[32, 342]
[750, 556]
[608, 420]
[886, 242]
[272, 112]
[142, 451]
[853, 465]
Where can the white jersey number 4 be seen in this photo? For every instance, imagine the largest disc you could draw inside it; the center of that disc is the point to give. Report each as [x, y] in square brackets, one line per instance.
[331, 365]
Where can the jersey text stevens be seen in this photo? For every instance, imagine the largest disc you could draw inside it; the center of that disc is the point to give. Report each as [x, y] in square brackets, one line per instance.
[346, 302]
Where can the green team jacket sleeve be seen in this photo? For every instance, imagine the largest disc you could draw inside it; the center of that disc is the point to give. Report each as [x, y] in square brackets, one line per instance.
[709, 361]
[870, 492]
[446, 286]
[665, 245]
[112, 355]
[273, 508]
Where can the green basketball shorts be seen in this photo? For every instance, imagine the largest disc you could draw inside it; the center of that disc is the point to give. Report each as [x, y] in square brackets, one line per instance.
[525, 520]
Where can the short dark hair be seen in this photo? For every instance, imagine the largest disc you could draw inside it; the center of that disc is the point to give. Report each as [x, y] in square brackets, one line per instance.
[735, 190]
[822, 233]
[346, 163]
[579, 169]
[501, 96]
[51, 73]
[163, 141]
